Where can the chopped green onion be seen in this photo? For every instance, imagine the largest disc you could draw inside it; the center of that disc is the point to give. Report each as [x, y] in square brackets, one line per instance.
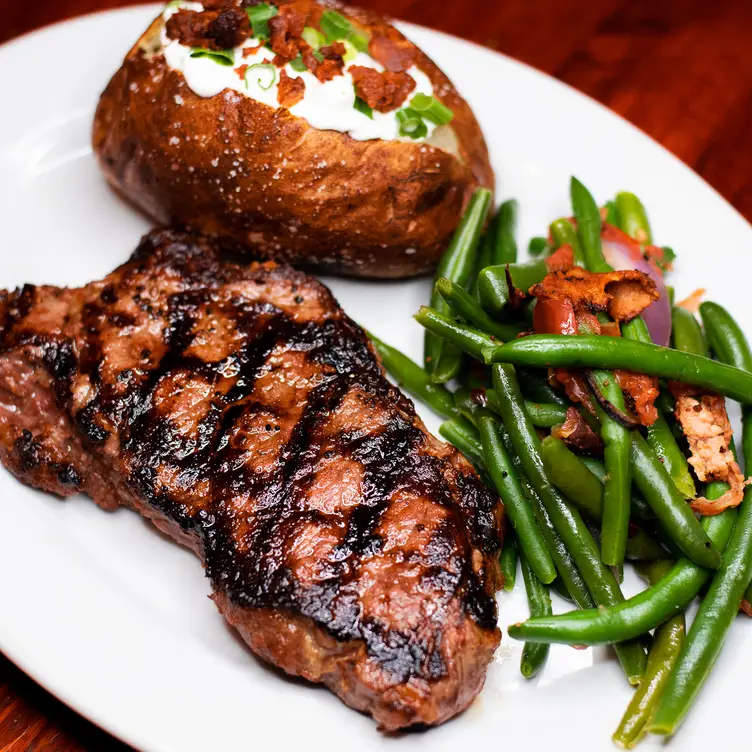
[350, 52]
[318, 56]
[361, 106]
[431, 109]
[297, 63]
[173, 4]
[411, 123]
[313, 37]
[259, 16]
[335, 26]
[223, 57]
[265, 74]
[359, 41]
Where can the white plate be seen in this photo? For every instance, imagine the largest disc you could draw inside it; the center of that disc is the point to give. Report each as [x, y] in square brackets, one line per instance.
[112, 618]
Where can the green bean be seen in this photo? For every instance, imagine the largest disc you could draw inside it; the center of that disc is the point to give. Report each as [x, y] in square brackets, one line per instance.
[505, 248]
[721, 603]
[563, 233]
[465, 306]
[674, 513]
[457, 264]
[536, 387]
[661, 440]
[641, 613]
[618, 481]
[508, 561]
[504, 477]
[534, 655]
[572, 477]
[659, 434]
[570, 577]
[640, 508]
[584, 489]
[567, 520]
[485, 251]
[726, 338]
[463, 436]
[411, 377]
[611, 215]
[545, 416]
[633, 219]
[470, 340]
[568, 351]
[662, 656]
[686, 333]
[538, 246]
[448, 364]
[588, 227]
[493, 287]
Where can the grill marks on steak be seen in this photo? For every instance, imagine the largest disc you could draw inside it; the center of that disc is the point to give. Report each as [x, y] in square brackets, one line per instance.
[242, 411]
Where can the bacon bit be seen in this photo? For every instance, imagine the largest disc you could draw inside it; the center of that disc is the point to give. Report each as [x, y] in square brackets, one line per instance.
[210, 29]
[577, 434]
[240, 70]
[248, 51]
[641, 391]
[746, 607]
[575, 388]
[561, 260]
[324, 70]
[395, 53]
[285, 31]
[703, 417]
[333, 51]
[692, 302]
[381, 91]
[290, 90]
[624, 294]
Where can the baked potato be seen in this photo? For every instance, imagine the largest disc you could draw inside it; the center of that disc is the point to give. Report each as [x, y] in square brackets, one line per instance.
[306, 132]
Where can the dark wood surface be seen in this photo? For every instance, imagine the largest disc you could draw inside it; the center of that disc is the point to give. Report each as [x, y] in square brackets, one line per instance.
[679, 69]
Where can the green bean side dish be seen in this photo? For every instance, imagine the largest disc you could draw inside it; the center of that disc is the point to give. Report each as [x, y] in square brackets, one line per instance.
[576, 509]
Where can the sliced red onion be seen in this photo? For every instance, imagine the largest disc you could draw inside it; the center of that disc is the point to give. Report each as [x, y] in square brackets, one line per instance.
[625, 254]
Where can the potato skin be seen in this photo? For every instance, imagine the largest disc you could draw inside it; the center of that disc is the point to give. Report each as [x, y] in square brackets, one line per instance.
[265, 182]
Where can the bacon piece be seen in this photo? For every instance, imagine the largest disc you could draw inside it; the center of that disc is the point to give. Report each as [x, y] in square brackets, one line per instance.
[210, 29]
[561, 260]
[326, 69]
[706, 425]
[641, 392]
[290, 90]
[575, 387]
[396, 54]
[577, 434]
[285, 31]
[381, 90]
[624, 294]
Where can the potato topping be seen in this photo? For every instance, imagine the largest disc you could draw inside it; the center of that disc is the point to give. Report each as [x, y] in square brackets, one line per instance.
[290, 90]
[381, 91]
[211, 29]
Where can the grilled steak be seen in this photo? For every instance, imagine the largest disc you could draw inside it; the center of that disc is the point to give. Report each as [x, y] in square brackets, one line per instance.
[245, 414]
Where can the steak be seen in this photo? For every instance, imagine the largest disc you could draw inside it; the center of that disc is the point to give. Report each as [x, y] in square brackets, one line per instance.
[240, 409]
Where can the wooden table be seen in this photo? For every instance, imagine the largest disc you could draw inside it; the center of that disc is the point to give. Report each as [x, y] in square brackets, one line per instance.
[681, 70]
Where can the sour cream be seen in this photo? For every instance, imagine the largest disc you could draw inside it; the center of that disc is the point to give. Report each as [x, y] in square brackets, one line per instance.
[325, 105]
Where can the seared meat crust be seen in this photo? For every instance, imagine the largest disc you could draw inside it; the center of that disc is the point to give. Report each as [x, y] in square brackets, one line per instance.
[243, 412]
